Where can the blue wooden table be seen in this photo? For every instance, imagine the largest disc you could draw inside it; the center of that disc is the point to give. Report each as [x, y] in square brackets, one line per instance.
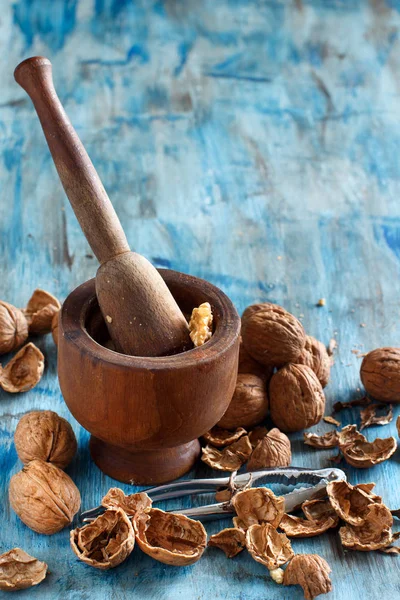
[252, 143]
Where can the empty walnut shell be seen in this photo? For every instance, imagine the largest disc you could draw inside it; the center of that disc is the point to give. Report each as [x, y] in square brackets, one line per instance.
[318, 509]
[230, 458]
[44, 497]
[329, 439]
[273, 450]
[40, 311]
[19, 570]
[258, 505]
[13, 328]
[105, 542]
[311, 572]
[132, 504]
[296, 397]
[222, 437]
[350, 502]
[380, 374]
[54, 327]
[170, 538]
[348, 435]
[267, 546]
[363, 454]
[296, 527]
[45, 435]
[248, 365]
[375, 533]
[315, 356]
[24, 370]
[249, 404]
[231, 540]
[271, 335]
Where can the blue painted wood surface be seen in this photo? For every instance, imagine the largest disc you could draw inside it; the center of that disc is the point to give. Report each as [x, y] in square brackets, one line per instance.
[252, 143]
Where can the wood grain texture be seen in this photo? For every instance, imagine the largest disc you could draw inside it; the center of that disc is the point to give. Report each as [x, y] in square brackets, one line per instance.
[251, 142]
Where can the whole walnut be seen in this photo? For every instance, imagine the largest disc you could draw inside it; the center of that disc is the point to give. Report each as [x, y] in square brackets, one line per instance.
[273, 450]
[271, 335]
[44, 497]
[380, 374]
[43, 434]
[13, 327]
[296, 398]
[247, 364]
[315, 356]
[249, 404]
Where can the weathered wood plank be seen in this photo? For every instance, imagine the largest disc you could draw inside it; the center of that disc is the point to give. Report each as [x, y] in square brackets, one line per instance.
[253, 143]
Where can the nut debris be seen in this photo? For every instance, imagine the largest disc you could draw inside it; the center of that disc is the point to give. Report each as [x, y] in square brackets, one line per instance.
[369, 416]
[297, 527]
[220, 438]
[271, 335]
[13, 327]
[231, 540]
[350, 502]
[43, 434]
[44, 497]
[258, 505]
[327, 440]
[19, 570]
[375, 532]
[24, 370]
[105, 542]
[40, 311]
[311, 572]
[267, 546]
[380, 374]
[273, 450]
[249, 404]
[132, 504]
[329, 419]
[230, 458]
[172, 539]
[296, 398]
[200, 324]
[363, 454]
[364, 401]
[315, 356]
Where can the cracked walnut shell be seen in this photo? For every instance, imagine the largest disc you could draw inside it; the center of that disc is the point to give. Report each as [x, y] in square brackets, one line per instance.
[311, 572]
[315, 356]
[318, 509]
[249, 404]
[44, 497]
[170, 538]
[267, 546]
[19, 570]
[219, 438]
[132, 504]
[231, 540]
[271, 335]
[24, 370]
[45, 435]
[273, 450]
[230, 458]
[40, 311]
[362, 454]
[105, 542]
[296, 398]
[296, 527]
[350, 502]
[327, 440]
[375, 532]
[13, 328]
[380, 374]
[258, 505]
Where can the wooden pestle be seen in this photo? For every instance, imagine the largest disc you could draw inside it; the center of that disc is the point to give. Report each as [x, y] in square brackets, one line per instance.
[142, 316]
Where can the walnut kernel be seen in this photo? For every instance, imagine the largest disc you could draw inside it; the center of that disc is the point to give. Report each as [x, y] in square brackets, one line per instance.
[200, 324]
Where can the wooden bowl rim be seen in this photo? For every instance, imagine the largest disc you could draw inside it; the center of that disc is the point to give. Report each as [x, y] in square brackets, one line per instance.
[73, 329]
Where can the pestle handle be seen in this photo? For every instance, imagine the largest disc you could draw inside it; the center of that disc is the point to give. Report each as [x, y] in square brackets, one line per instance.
[81, 182]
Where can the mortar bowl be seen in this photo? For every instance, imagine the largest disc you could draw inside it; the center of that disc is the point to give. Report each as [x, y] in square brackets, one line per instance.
[146, 413]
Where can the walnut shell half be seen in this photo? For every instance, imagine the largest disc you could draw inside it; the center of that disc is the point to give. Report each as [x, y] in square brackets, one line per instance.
[219, 438]
[267, 546]
[311, 572]
[105, 542]
[362, 454]
[13, 328]
[273, 450]
[375, 533]
[170, 538]
[231, 540]
[40, 311]
[24, 370]
[271, 335]
[45, 435]
[258, 505]
[351, 503]
[230, 458]
[132, 504]
[249, 404]
[380, 374]
[296, 397]
[44, 497]
[19, 570]
[315, 356]
[296, 527]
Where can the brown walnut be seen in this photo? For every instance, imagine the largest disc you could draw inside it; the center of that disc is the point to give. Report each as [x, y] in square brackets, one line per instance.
[297, 400]
[24, 370]
[19, 570]
[249, 404]
[45, 435]
[271, 335]
[273, 450]
[311, 572]
[44, 497]
[13, 328]
[247, 364]
[315, 356]
[380, 374]
[40, 311]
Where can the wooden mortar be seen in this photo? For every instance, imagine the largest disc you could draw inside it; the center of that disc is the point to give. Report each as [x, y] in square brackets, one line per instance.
[146, 413]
